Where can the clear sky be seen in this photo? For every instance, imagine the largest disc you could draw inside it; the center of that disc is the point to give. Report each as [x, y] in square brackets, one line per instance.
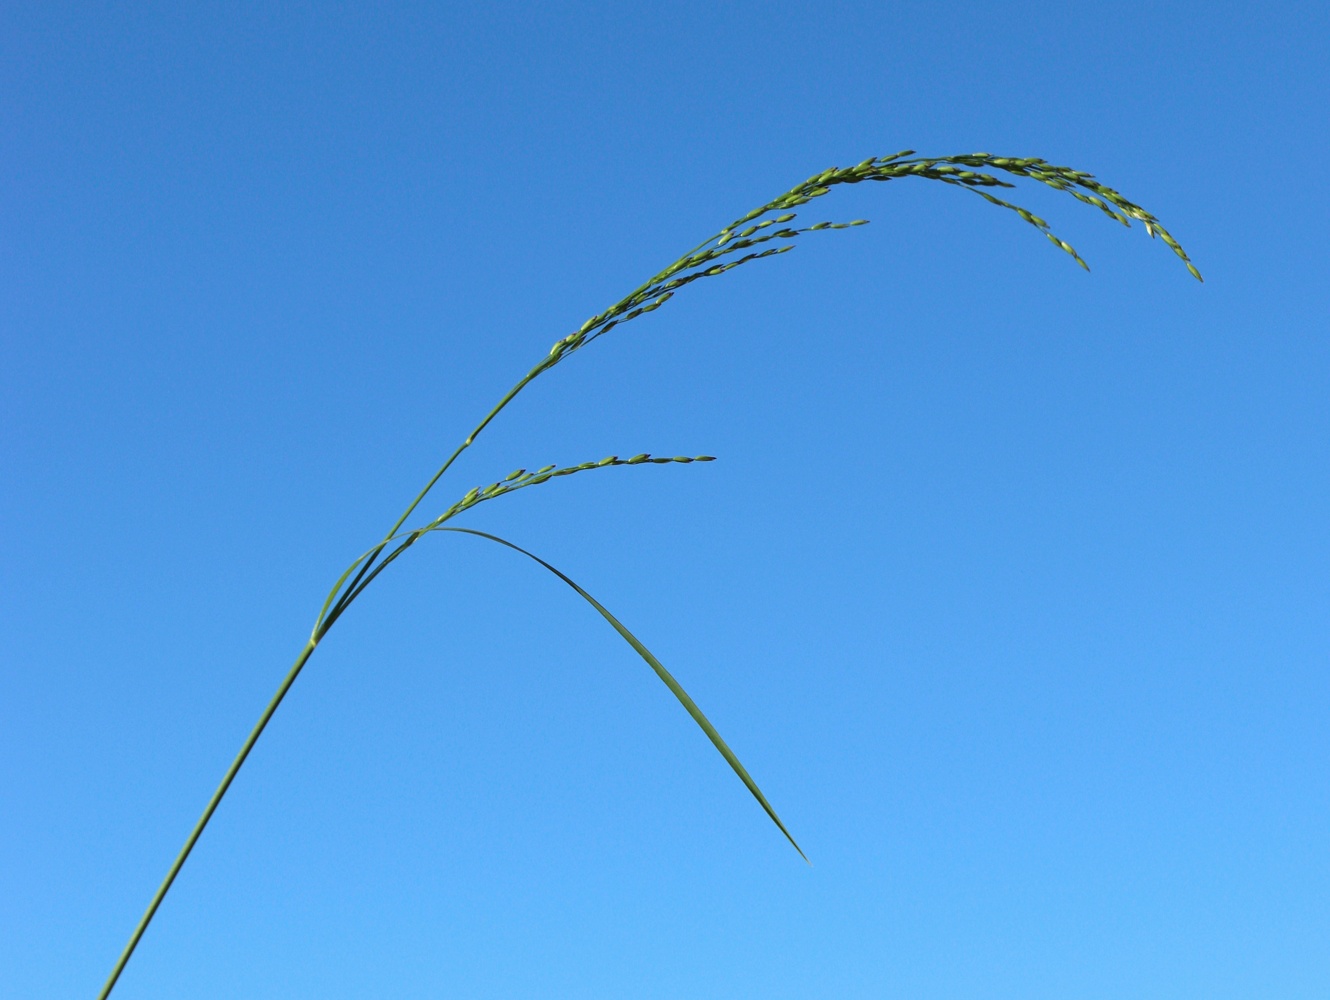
[1010, 584]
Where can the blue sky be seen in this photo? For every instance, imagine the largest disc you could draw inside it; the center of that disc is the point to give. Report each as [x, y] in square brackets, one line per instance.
[1009, 587]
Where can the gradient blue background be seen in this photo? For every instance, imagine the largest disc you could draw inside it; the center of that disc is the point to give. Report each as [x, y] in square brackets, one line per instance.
[1010, 586]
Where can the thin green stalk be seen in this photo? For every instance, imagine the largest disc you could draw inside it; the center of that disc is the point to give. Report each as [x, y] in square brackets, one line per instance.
[526, 380]
[348, 595]
[211, 808]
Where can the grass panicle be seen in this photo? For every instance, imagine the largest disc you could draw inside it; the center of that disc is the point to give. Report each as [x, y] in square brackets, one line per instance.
[339, 599]
[521, 479]
[761, 234]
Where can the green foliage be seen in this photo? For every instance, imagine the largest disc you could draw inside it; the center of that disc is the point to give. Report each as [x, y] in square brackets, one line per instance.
[741, 242]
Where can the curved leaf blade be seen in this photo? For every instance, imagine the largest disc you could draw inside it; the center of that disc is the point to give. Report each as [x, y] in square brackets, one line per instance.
[666, 677]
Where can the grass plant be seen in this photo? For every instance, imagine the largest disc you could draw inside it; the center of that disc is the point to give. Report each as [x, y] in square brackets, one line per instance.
[764, 232]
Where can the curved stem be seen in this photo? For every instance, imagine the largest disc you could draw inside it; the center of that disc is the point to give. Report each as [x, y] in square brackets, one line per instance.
[470, 439]
[366, 572]
[336, 604]
[216, 799]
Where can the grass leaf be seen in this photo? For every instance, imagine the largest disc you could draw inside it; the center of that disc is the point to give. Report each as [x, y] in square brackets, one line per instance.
[675, 687]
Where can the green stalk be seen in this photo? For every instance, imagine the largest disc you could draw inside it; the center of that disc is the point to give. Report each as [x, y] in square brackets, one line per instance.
[336, 604]
[213, 803]
[330, 615]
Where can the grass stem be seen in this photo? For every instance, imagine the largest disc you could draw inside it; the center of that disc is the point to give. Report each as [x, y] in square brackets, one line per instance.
[211, 808]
